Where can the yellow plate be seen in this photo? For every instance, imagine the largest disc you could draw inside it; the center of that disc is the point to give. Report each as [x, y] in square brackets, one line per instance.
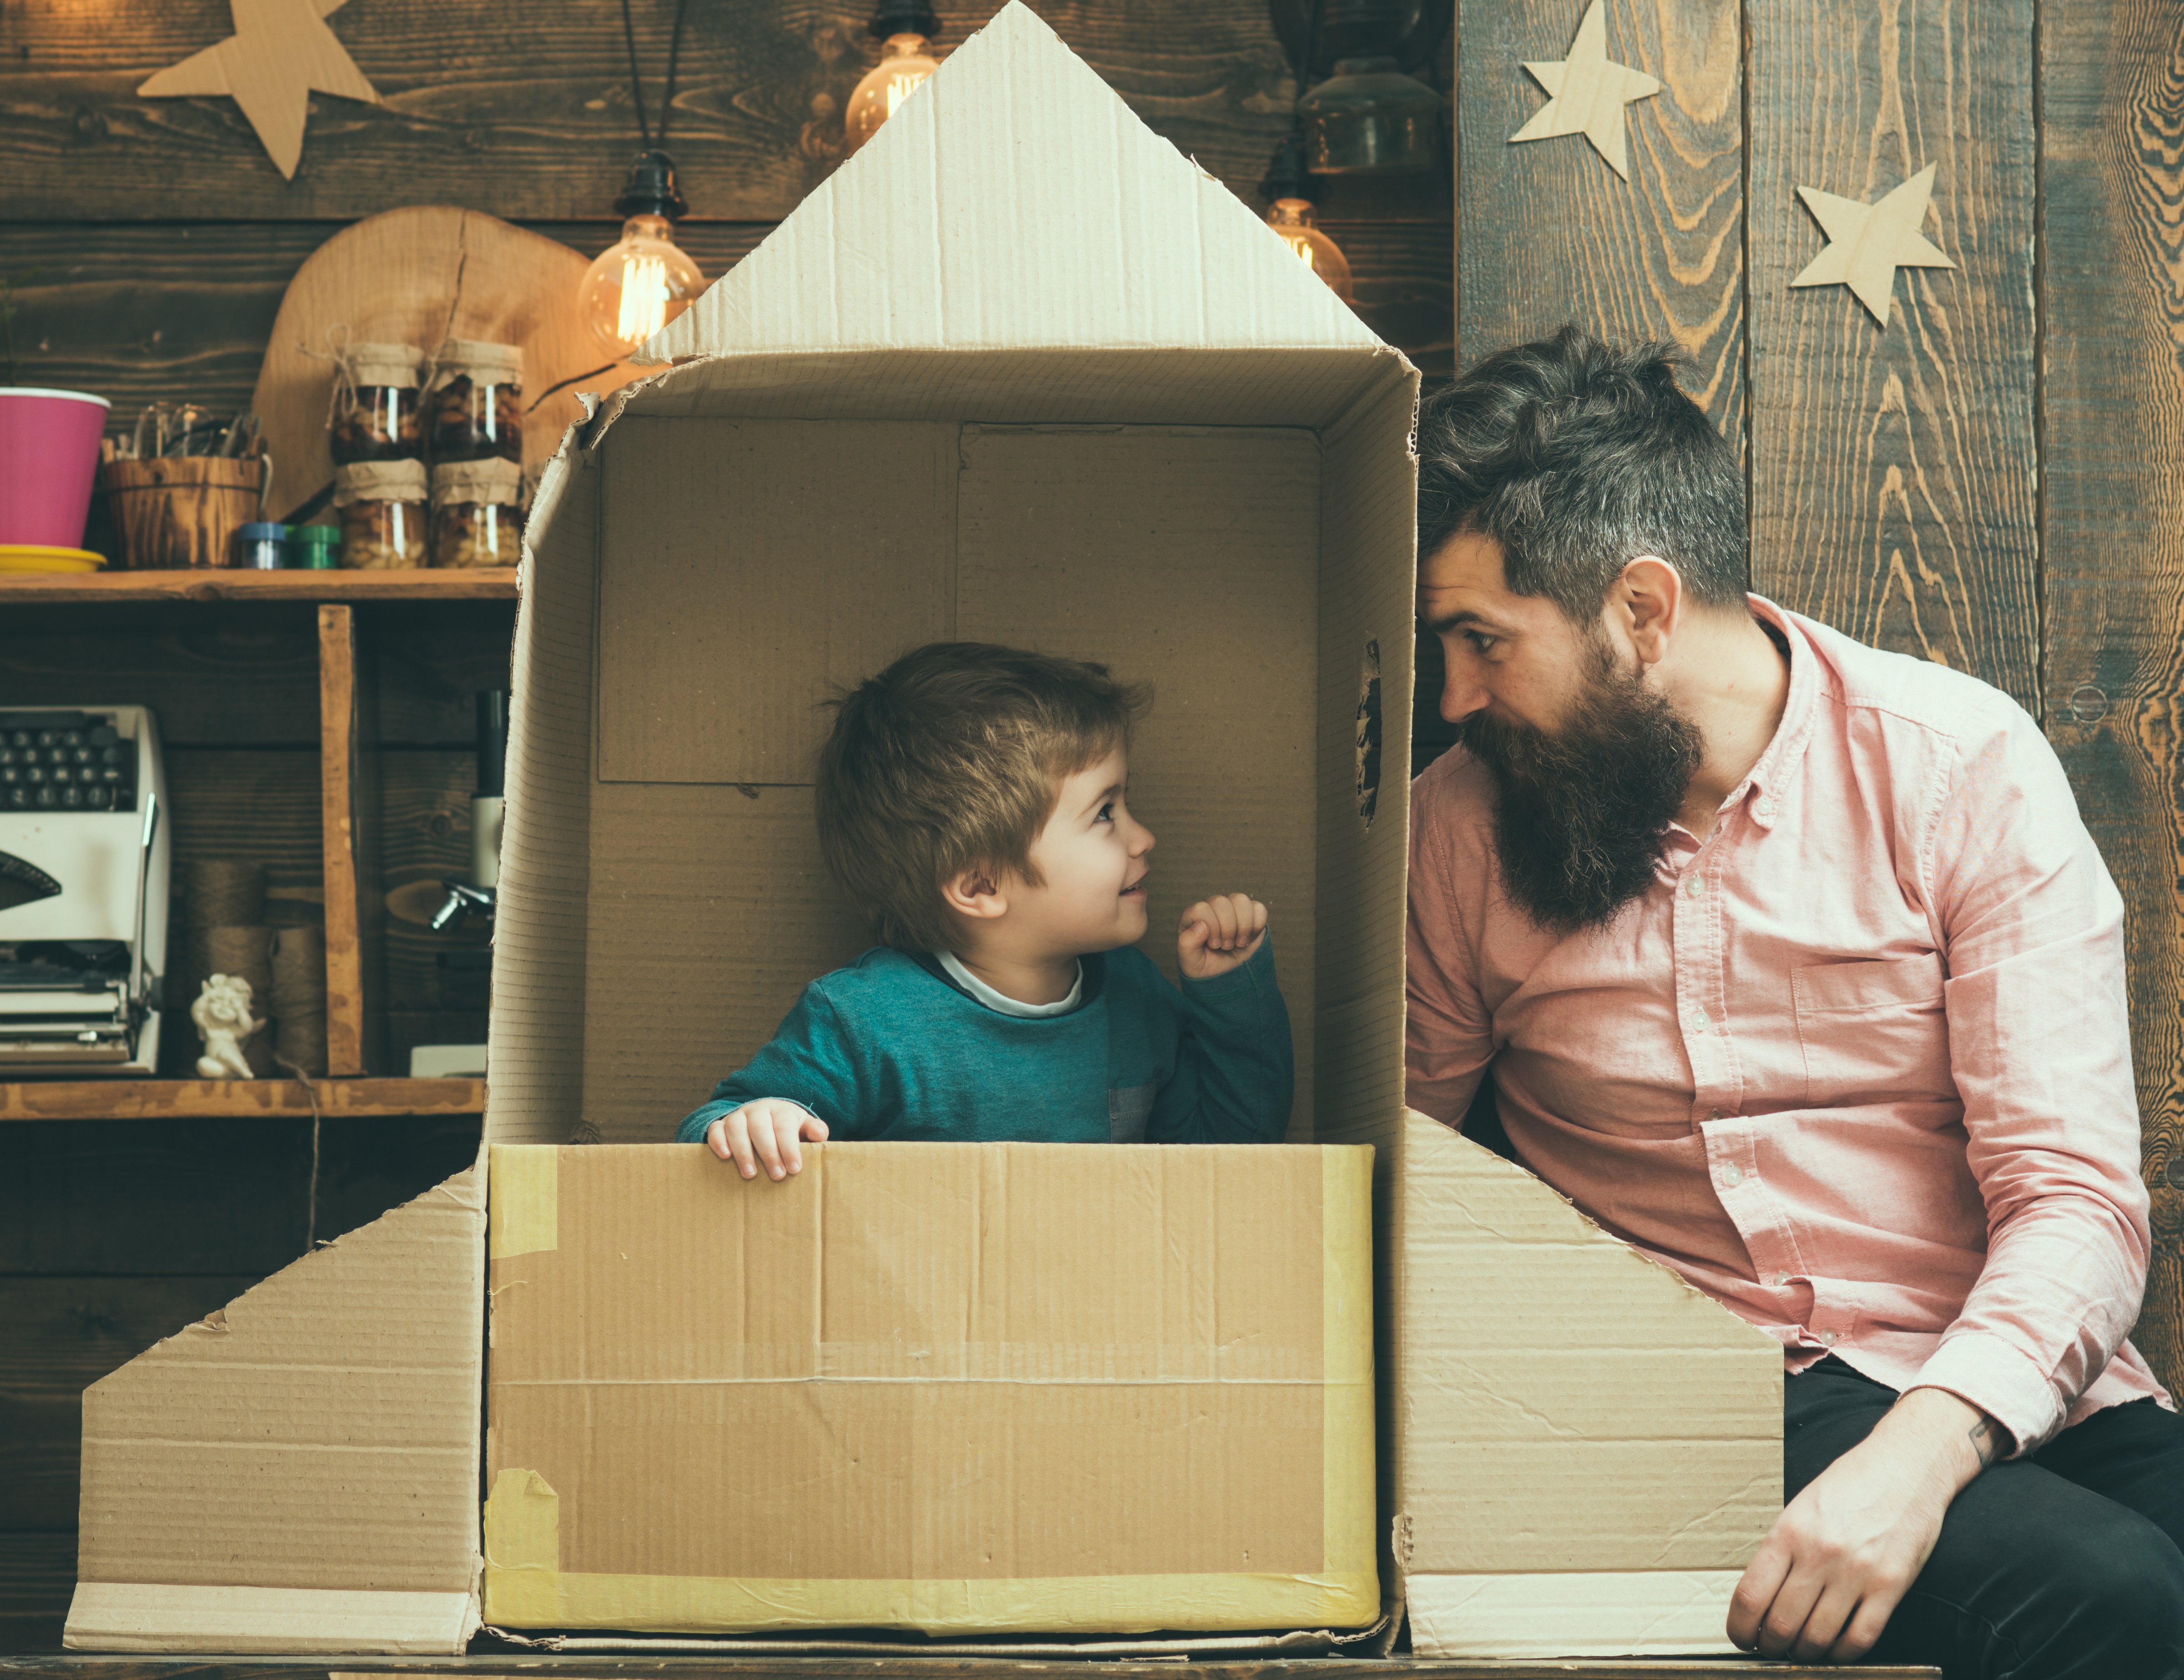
[26, 557]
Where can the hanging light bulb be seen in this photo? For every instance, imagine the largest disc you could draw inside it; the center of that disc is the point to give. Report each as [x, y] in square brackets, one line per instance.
[907, 27]
[1288, 188]
[644, 279]
[1292, 218]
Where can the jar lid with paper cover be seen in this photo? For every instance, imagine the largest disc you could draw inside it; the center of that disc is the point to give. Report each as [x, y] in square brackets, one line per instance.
[474, 401]
[477, 518]
[381, 505]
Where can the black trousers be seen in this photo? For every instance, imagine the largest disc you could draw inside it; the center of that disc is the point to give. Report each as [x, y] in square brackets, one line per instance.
[2067, 1562]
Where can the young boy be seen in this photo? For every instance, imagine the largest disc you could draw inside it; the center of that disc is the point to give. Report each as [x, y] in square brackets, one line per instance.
[970, 801]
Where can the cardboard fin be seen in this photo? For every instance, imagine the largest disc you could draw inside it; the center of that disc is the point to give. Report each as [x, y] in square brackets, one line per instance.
[881, 258]
[1603, 1434]
[305, 1457]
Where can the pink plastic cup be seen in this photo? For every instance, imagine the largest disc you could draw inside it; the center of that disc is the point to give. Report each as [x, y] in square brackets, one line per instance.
[48, 462]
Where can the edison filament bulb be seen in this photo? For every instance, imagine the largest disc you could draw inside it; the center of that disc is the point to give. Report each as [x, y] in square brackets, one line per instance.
[638, 284]
[905, 63]
[1292, 218]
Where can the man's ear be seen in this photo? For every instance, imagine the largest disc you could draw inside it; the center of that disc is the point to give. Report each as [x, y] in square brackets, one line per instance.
[1648, 598]
[975, 894]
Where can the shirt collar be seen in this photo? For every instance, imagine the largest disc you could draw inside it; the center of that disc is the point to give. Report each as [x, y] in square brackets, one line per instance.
[1766, 784]
[1000, 1002]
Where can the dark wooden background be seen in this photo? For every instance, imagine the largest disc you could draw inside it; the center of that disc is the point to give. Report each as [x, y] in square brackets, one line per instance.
[1992, 481]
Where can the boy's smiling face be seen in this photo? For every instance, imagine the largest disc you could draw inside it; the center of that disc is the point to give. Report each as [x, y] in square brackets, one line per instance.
[1091, 860]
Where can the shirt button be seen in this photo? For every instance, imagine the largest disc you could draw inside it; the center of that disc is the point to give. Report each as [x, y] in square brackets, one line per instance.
[1780, 1279]
[1698, 1021]
[1713, 1114]
[1766, 808]
[1694, 885]
[1827, 1338]
[1732, 1174]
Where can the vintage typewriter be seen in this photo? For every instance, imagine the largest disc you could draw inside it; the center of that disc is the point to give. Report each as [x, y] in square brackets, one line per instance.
[83, 890]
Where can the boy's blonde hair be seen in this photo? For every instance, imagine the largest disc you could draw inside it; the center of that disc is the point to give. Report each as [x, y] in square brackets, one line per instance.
[952, 759]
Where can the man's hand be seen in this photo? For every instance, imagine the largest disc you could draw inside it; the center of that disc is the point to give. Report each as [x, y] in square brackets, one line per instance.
[766, 1131]
[1844, 1552]
[1219, 933]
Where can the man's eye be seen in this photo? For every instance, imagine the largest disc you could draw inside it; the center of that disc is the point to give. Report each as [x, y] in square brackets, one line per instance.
[1483, 642]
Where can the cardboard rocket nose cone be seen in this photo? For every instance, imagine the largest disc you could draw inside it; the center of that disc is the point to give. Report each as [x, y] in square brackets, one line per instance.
[1014, 200]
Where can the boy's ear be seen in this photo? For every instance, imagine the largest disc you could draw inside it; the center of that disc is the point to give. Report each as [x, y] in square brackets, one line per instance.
[975, 894]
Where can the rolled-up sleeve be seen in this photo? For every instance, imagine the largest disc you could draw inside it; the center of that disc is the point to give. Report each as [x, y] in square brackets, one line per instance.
[2032, 927]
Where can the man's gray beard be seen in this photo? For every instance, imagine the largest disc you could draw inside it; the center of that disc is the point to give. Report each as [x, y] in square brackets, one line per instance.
[1581, 812]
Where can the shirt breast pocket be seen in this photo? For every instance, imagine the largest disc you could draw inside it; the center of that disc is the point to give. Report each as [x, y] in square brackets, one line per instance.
[1874, 1031]
[1128, 1108]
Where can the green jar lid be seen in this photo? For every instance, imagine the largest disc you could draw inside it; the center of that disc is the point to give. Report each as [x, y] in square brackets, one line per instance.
[329, 534]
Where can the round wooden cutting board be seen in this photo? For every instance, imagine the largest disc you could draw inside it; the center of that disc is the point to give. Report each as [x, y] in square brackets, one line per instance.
[419, 276]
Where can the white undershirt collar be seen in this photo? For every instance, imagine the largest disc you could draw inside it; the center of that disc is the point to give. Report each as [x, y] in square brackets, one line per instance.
[1006, 1005]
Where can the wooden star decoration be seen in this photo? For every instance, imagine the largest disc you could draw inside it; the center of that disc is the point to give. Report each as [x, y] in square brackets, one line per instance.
[1867, 243]
[1587, 91]
[281, 53]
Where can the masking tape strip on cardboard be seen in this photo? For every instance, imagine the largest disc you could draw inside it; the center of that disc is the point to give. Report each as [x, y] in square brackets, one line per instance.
[524, 1585]
[108, 1616]
[1654, 1612]
[523, 1212]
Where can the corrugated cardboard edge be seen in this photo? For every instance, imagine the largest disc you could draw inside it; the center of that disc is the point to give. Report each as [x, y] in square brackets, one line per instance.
[525, 1586]
[129, 1615]
[1543, 1614]
[110, 1616]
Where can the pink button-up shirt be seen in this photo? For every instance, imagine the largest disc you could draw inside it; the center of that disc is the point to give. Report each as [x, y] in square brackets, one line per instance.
[1858, 1066]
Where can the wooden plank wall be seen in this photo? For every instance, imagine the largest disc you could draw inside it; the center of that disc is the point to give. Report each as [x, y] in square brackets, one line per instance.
[158, 237]
[1994, 481]
[2111, 445]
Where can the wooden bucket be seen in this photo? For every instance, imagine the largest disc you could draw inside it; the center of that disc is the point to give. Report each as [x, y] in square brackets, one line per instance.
[181, 512]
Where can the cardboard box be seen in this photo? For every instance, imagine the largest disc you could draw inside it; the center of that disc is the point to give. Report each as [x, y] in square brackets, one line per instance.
[948, 1387]
[1018, 371]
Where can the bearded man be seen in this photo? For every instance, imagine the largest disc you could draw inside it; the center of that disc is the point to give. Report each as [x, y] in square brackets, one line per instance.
[1793, 964]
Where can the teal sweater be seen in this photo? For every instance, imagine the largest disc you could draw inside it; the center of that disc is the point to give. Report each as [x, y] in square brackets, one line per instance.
[892, 1048]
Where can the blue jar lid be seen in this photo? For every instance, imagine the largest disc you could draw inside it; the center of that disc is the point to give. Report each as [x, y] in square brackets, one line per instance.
[259, 532]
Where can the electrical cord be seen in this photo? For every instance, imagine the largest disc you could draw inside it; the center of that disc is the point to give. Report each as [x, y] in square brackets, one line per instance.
[636, 83]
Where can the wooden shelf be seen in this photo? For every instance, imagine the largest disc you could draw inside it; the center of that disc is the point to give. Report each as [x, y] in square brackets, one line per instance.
[484, 583]
[225, 1098]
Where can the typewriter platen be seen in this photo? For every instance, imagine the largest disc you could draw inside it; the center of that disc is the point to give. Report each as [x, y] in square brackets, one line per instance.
[83, 890]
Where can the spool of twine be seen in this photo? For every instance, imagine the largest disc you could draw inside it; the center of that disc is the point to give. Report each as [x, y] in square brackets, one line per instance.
[299, 974]
[300, 1042]
[222, 892]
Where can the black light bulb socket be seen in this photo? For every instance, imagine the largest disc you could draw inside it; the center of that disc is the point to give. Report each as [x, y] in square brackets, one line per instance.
[650, 190]
[903, 17]
[1289, 175]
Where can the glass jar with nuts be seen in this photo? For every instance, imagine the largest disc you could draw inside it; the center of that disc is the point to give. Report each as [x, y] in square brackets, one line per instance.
[477, 518]
[475, 400]
[381, 505]
[374, 416]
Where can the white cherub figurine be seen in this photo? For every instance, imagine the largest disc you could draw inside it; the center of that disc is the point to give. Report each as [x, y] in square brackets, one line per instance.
[222, 1013]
